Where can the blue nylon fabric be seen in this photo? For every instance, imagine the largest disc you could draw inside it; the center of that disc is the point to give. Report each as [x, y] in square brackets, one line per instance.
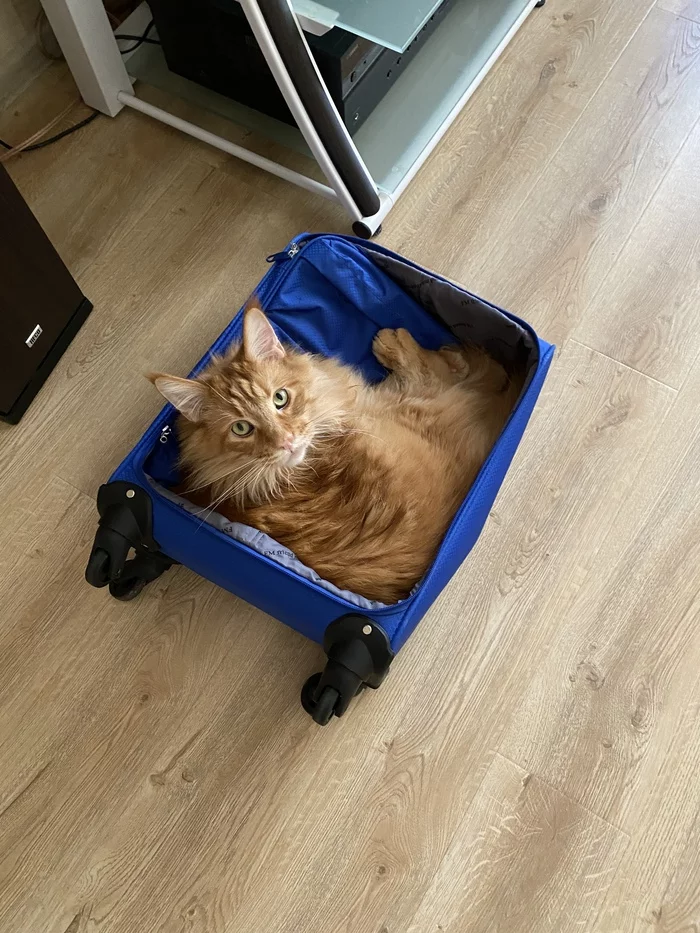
[329, 298]
[335, 302]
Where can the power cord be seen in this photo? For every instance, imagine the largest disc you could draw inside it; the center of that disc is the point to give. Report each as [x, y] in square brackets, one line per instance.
[23, 147]
[54, 139]
[138, 40]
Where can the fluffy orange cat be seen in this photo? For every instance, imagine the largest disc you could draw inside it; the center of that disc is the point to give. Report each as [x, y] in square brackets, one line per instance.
[360, 481]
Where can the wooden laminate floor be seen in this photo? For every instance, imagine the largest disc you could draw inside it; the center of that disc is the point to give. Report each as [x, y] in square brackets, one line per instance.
[532, 764]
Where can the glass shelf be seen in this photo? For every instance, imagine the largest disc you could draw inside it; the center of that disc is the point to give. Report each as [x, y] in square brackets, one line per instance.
[393, 23]
[396, 134]
[405, 121]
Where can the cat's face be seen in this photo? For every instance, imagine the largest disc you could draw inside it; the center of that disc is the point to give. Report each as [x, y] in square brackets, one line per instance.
[253, 416]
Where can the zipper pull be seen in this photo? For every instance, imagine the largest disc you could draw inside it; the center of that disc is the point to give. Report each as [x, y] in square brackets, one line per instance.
[285, 255]
[165, 433]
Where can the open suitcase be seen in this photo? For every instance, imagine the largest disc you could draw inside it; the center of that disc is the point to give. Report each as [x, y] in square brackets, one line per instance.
[329, 295]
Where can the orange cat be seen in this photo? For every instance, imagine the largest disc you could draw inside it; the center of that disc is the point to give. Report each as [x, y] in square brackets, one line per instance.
[360, 481]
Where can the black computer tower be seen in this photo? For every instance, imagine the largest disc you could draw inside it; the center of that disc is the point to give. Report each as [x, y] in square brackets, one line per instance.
[211, 43]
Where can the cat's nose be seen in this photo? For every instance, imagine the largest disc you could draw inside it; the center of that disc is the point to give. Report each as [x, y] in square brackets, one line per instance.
[288, 442]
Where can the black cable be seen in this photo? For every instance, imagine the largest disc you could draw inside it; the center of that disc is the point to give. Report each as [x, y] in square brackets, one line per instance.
[138, 40]
[54, 139]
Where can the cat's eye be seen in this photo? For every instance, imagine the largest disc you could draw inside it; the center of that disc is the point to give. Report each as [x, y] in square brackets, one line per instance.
[280, 399]
[242, 428]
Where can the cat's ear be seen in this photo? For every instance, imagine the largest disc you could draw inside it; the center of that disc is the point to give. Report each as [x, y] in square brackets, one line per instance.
[259, 339]
[187, 395]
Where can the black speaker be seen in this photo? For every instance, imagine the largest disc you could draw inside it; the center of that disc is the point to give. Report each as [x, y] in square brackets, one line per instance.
[41, 307]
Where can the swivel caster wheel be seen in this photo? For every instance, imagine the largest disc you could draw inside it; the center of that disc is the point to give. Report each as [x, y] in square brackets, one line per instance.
[126, 588]
[359, 228]
[322, 708]
[97, 570]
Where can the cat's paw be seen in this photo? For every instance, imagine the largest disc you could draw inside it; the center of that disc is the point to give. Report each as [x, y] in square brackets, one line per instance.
[456, 361]
[395, 349]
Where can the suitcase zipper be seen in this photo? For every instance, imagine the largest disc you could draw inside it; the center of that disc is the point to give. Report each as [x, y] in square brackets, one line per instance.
[286, 254]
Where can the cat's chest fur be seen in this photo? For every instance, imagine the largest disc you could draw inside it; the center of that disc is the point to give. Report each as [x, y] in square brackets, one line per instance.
[384, 490]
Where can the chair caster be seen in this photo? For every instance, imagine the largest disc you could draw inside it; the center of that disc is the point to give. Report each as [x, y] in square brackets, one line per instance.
[359, 655]
[360, 228]
[540, 3]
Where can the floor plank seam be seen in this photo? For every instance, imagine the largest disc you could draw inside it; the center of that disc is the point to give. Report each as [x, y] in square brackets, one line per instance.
[688, 19]
[145, 207]
[652, 195]
[662, 177]
[650, 451]
[86, 495]
[594, 925]
[612, 359]
[277, 196]
[458, 823]
[649, 200]
[562, 793]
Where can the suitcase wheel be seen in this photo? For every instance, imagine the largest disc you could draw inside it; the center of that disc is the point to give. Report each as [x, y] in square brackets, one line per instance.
[126, 588]
[125, 528]
[359, 654]
[322, 708]
[97, 570]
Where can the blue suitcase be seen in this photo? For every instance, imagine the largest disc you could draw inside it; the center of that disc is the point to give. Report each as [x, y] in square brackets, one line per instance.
[329, 295]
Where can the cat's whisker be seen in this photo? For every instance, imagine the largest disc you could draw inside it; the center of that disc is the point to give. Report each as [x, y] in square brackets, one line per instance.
[366, 434]
[217, 501]
[212, 481]
[252, 471]
[219, 476]
[248, 482]
[331, 415]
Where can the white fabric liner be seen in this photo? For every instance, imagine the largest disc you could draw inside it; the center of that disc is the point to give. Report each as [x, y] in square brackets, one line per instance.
[267, 546]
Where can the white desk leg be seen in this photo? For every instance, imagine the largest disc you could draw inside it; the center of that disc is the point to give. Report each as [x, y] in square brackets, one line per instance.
[84, 33]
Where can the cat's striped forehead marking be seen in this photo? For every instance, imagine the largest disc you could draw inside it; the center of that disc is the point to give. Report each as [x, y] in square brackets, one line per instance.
[252, 391]
[232, 384]
[240, 386]
[242, 389]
